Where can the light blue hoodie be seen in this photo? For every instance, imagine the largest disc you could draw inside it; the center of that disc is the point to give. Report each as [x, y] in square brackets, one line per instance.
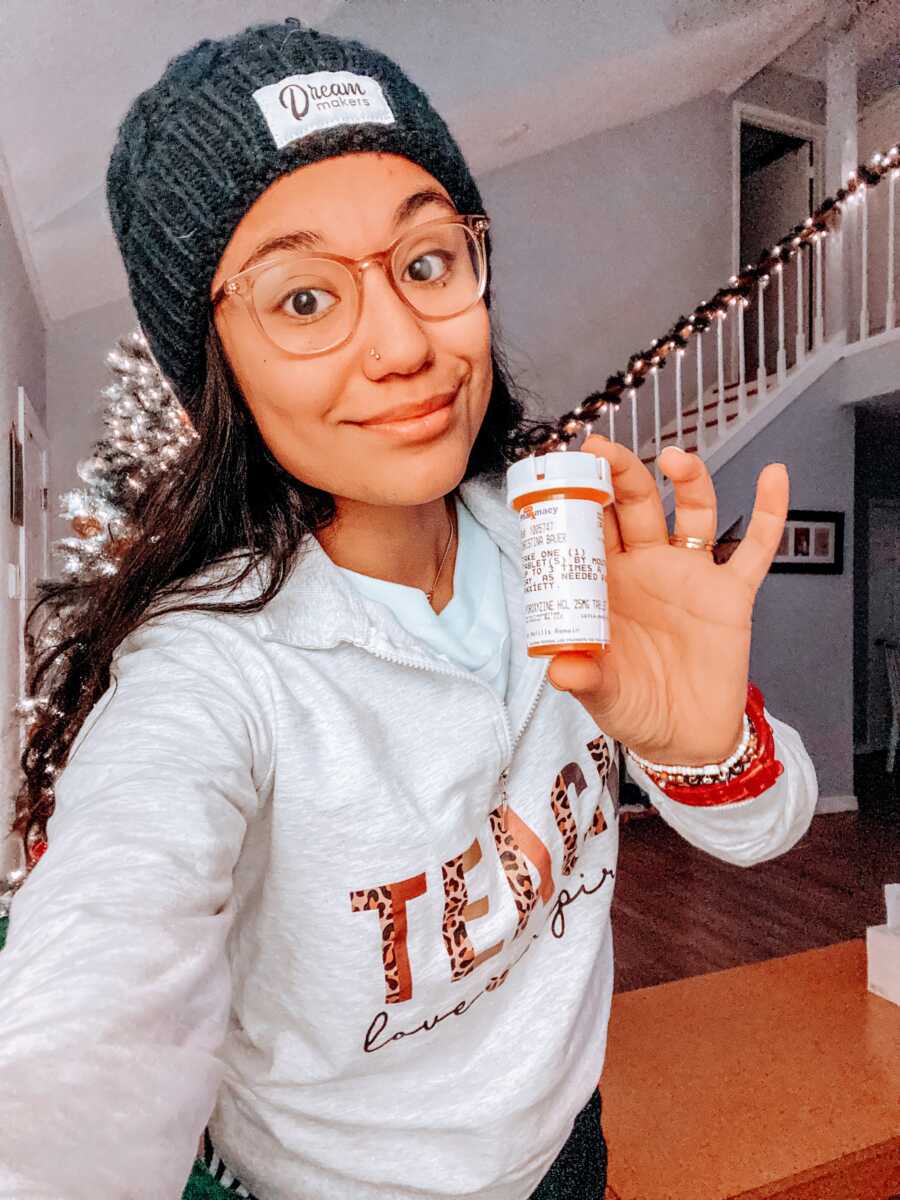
[277, 891]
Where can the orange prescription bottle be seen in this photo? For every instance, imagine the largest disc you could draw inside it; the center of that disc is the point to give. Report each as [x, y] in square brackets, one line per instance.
[560, 498]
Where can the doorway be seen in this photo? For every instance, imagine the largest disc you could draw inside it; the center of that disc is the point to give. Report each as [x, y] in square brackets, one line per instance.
[27, 562]
[777, 183]
[884, 613]
[34, 531]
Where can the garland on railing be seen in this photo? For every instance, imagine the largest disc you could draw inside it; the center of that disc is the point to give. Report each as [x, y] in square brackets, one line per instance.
[549, 436]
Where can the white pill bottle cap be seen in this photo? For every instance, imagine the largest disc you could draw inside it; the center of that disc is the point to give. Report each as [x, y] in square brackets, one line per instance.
[557, 470]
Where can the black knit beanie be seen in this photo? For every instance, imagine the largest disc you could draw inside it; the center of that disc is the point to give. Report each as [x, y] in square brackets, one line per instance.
[224, 121]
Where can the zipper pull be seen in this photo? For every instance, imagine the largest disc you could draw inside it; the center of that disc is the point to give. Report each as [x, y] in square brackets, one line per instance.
[504, 807]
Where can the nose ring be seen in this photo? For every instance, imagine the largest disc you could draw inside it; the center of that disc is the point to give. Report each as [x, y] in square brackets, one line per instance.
[374, 353]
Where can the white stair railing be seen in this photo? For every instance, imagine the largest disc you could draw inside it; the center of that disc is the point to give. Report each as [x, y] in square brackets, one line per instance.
[688, 412]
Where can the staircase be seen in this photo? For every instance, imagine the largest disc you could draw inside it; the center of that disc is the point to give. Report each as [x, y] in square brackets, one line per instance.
[824, 294]
[690, 422]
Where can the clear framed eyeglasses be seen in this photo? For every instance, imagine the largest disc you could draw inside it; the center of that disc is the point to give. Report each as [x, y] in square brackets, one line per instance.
[309, 303]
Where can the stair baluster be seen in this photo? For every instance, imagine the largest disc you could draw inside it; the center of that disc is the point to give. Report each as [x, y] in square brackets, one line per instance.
[889, 319]
[701, 415]
[801, 327]
[819, 323]
[742, 363]
[761, 340]
[864, 274]
[634, 424]
[657, 426]
[781, 358]
[720, 368]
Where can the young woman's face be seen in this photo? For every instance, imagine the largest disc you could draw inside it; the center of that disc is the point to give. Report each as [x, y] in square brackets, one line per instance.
[309, 410]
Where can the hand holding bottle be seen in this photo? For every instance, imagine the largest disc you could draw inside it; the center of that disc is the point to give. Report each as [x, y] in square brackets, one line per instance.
[672, 683]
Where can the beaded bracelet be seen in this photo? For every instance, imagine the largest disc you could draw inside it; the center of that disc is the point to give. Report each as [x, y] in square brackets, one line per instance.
[752, 768]
[719, 772]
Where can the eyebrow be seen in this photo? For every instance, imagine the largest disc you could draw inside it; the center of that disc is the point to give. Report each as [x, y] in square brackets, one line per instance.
[304, 239]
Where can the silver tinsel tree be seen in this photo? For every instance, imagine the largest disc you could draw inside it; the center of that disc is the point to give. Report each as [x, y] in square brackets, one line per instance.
[146, 431]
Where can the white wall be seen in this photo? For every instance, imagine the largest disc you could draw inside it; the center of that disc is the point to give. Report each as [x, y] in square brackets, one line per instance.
[802, 646]
[879, 125]
[773, 200]
[601, 244]
[21, 362]
[791, 95]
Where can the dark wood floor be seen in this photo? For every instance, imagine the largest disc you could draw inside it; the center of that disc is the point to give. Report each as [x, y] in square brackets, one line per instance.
[679, 912]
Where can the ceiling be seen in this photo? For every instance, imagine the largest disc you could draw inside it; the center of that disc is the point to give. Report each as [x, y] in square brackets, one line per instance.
[873, 25]
[513, 78]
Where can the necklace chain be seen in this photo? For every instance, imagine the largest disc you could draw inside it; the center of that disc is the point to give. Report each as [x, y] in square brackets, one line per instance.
[443, 560]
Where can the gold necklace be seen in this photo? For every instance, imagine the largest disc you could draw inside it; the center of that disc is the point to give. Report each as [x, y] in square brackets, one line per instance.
[443, 560]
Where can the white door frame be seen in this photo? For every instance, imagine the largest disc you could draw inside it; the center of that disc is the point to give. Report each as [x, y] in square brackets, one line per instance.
[27, 421]
[768, 118]
[892, 504]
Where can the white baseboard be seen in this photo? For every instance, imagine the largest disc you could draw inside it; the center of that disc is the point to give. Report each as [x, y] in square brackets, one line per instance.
[835, 804]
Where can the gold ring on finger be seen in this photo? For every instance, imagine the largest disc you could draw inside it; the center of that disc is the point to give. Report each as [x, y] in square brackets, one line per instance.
[690, 543]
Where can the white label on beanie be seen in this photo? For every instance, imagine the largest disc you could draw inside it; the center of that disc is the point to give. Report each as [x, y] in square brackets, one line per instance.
[301, 104]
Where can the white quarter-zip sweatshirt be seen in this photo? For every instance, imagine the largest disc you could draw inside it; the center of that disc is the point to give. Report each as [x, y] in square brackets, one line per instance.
[278, 898]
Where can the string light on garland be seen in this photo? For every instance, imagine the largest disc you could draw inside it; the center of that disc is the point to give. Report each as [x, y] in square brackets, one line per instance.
[740, 288]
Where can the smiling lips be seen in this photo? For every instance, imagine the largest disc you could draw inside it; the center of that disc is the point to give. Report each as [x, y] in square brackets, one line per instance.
[408, 412]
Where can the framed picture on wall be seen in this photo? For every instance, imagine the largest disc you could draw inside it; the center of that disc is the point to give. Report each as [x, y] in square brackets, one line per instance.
[812, 542]
[16, 479]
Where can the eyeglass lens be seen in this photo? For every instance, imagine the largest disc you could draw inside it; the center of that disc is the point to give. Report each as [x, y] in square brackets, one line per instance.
[307, 304]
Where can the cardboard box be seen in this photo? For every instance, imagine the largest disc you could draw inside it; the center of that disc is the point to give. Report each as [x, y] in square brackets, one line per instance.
[883, 961]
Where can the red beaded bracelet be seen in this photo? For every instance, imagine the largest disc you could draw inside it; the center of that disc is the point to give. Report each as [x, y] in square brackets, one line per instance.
[757, 777]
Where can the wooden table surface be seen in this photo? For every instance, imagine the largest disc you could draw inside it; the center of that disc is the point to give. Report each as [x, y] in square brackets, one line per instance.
[777, 1079]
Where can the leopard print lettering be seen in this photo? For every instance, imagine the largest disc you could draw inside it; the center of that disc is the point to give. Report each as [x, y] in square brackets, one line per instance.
[456, 897]
[516, 869]
[458, 910]
[562, 812]
[518, 844]
[599, 752]
[389, 901]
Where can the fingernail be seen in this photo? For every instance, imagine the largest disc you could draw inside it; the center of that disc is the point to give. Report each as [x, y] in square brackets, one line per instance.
[678, 448]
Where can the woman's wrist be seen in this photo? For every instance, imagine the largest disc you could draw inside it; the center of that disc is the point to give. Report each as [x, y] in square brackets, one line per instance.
[714, 770]
[749, 770]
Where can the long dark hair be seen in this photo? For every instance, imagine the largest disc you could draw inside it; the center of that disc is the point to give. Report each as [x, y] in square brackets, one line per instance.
[226, 496]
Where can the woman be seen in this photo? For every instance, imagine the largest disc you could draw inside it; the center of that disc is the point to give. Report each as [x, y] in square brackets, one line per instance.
[330, 867]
